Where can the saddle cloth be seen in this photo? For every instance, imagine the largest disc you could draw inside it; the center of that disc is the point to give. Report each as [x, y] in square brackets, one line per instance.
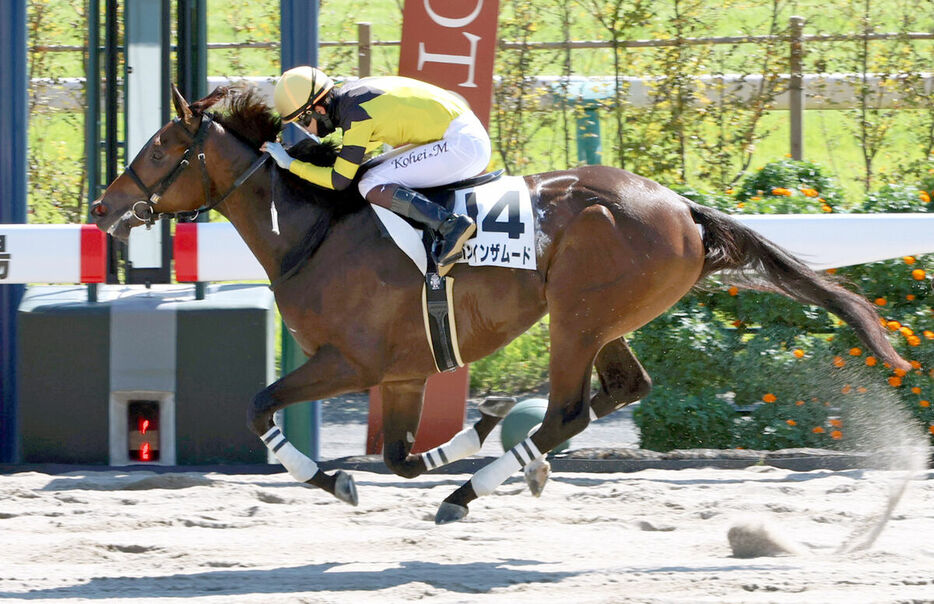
[502, 210]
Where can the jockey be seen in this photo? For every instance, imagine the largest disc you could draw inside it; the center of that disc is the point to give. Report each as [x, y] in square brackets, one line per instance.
[446, 143]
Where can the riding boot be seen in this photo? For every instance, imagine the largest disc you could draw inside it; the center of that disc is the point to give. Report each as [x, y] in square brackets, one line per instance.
[453, 229]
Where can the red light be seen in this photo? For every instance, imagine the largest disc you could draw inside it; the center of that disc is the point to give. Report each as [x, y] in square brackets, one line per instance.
[145, 452]
[143, 425]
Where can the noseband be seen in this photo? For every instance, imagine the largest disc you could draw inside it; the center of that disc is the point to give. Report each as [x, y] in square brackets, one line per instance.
[145, 209]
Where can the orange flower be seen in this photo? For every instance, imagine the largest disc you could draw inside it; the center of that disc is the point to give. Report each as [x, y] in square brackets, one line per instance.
[929, 334]
[915, 364]
[836, 423]
[809, 192]
[909, 260]
[906, 331]
[838, 362]
[798, 353]
[736, 323]
[846, 389]
[910, 297]
[831, 271]
[740, 205]
[871, 361]
[924, 197]
[769, 397]
[925, 403]
[826, 209]
[781, 191]
[893, 325]
[914, 341]
[855, 352]
[881, 301]
[931, 428]
[791, 422]
[819, 430]
[918, 274]
[836, 435]
[895, 381]
[799, 403]
[733, 290]
[862, 390]
[916, 390]
[899, 372]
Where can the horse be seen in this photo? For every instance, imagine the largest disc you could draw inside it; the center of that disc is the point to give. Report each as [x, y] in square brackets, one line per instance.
[614, 250]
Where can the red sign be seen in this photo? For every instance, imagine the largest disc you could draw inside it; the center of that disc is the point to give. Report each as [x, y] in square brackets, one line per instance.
[452, 44]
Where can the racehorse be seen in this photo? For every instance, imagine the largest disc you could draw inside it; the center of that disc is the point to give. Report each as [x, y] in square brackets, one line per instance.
[614, 250]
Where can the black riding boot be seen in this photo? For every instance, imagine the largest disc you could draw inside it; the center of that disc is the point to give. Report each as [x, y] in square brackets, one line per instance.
[453, 229]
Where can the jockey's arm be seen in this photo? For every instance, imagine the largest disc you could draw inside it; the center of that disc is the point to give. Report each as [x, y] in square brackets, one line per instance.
[355, 142]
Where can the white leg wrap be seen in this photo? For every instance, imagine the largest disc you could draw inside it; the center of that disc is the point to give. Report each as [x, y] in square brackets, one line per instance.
[299, 466]
[488, 478]
[464, 444]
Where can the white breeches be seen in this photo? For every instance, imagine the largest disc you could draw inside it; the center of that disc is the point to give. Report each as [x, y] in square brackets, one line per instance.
[464, 151]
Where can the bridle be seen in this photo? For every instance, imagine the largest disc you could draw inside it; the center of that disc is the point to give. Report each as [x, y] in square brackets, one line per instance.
[145, 209]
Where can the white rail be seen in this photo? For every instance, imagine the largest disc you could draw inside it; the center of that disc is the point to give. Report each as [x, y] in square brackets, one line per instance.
[42, 253]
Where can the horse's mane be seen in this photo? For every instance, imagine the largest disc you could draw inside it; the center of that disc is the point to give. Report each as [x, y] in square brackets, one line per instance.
[246, 115]
[251, 120]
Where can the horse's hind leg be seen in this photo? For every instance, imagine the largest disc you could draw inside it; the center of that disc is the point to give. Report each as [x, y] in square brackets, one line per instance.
[324, 374]
[568, 414]
[623, 380]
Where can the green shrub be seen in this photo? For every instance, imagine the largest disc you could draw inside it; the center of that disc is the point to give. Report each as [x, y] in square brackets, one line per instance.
[788, 186]
[898, 198]
[669, 420]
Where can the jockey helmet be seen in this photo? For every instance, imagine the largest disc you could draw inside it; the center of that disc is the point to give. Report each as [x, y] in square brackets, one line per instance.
[300, 89]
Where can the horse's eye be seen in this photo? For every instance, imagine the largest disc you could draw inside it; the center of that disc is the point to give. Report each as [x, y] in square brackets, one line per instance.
[157, 154]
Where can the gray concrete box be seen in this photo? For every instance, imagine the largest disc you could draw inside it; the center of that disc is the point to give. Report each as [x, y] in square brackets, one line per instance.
[192, 365]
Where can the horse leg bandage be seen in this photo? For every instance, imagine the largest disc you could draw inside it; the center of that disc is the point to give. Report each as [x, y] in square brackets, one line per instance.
[489, 477]
[464, 444]
[298, 465]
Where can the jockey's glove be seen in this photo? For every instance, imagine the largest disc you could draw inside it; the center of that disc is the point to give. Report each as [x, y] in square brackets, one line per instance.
[278, 154]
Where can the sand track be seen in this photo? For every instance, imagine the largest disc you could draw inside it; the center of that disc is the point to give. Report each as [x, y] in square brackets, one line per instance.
[650, 536]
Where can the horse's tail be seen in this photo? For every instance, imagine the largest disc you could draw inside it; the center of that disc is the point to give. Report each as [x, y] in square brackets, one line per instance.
[730, 245]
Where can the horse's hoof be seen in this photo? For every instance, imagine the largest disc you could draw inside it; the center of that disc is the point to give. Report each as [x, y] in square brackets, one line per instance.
[450, 512]
[536, 475]
[345, 489]
[497, 406]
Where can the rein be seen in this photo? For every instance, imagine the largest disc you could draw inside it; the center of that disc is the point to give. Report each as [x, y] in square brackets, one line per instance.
[145, 210]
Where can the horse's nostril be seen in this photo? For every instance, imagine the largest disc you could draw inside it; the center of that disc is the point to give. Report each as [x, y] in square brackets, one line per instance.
[98, 209]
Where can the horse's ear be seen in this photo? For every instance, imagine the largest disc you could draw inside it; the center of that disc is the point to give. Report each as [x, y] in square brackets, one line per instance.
[181, 106]
[199, 107]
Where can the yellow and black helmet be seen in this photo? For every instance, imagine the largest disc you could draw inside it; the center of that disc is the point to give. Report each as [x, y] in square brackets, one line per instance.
[298, 90]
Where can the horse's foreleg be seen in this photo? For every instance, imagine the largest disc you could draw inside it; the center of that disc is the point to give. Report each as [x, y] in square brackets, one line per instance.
[402, 407]
[402, 410]
[623, 380]
[468, 441]
[326, 373]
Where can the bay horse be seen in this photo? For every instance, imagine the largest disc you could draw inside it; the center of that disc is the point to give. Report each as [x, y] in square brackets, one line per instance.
[614, 250]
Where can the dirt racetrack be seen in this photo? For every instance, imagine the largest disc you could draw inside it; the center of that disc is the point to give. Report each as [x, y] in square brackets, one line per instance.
[649, 536]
